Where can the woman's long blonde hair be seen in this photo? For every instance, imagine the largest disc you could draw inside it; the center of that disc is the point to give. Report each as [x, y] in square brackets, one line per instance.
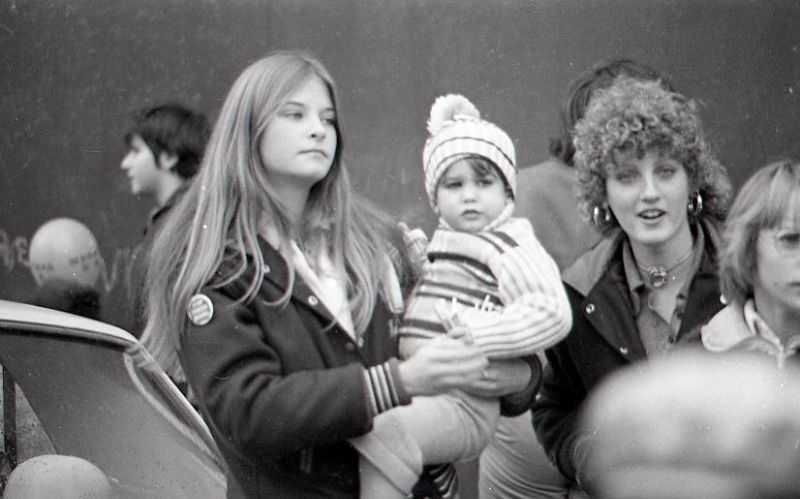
[219, 216]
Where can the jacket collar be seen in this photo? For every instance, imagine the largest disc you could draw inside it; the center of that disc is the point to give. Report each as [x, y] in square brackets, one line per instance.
[159, 211]
[587, 270]
[592, 265]
[704, 288]
[725, 330]
[276, 272]
[599, 277]
[736, 323]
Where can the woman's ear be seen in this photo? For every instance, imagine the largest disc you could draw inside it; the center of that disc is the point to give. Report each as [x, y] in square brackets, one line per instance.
[166, 160]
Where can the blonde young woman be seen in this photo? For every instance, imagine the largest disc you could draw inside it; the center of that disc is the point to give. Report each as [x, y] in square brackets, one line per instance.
[276, 288]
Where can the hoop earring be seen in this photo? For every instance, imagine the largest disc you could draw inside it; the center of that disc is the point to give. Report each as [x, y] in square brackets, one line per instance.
[601, 215]
[695, 205]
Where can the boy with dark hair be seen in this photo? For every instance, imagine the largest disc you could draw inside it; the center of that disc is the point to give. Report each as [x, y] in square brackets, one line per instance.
[165, 148]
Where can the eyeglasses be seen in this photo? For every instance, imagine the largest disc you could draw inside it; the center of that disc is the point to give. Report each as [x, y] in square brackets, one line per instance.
[787, 241]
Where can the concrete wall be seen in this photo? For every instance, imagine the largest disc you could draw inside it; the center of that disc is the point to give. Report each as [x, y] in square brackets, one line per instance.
[72, 71]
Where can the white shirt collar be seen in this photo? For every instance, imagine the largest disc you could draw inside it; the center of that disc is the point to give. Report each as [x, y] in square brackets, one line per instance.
[325, 282]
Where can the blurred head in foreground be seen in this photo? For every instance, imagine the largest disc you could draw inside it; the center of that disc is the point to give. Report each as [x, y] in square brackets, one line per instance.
[696, 425]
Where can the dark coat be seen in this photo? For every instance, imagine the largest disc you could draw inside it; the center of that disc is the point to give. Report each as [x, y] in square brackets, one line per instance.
[283, 387]
[605, 338]
[133, 318]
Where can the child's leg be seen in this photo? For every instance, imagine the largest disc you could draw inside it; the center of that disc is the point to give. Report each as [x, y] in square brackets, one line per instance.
[390, 461]
[449, 428]
[431, 430]
[374, 484]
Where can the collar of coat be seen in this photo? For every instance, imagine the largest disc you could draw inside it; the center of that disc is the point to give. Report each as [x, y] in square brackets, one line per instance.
[275, 273]
[598, 276]
[740, 327]
[158, 212]
[726, 329]
[587, 270]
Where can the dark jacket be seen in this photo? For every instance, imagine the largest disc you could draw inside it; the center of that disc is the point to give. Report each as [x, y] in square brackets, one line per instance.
[283, 387]
[605, 337]
[68, 296]
[134, 320]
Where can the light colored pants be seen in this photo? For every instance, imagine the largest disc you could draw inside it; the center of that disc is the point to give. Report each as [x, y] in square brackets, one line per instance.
[430, 430]
[515, 466]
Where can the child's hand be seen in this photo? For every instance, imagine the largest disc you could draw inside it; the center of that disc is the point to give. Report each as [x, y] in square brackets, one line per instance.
[448, 314]
[462, 333]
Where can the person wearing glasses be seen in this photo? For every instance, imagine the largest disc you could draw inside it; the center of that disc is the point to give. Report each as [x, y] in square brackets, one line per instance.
[760, 267]
[702, 423]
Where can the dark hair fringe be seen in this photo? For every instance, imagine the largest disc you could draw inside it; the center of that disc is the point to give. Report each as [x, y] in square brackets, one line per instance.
[174, 129]
[599, 76]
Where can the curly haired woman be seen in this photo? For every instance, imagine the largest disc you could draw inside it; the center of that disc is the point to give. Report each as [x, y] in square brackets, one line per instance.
[649, 183]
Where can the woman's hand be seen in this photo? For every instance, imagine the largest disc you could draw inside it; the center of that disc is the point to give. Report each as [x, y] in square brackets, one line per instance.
[441, 365]
[501, 377]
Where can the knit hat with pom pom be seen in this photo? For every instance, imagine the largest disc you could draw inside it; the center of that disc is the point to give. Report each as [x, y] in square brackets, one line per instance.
[456, 131]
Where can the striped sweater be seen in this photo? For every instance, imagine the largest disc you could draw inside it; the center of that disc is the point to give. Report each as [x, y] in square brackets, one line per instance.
[501, 284]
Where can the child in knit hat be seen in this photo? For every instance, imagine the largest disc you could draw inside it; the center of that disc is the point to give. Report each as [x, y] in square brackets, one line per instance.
[487, 280]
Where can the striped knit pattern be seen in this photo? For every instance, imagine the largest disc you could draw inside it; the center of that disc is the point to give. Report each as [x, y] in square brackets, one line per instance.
[382, 389]
[467, 137]
[502, 285]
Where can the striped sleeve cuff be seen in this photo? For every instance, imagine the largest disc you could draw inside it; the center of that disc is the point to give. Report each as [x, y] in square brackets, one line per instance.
[384, 389]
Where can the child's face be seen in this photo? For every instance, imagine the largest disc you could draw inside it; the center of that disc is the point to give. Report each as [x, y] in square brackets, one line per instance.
[140, 165]
[777, 260]
[469, 201]
[298, 146]
[649, 197]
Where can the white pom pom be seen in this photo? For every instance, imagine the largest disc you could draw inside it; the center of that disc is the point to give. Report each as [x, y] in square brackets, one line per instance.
[449, 107]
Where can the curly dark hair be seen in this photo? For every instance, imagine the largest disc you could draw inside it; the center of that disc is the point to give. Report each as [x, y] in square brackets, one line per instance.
[638, 115]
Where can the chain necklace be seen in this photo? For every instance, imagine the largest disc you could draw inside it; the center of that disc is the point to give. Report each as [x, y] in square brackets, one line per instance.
[659, 275]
